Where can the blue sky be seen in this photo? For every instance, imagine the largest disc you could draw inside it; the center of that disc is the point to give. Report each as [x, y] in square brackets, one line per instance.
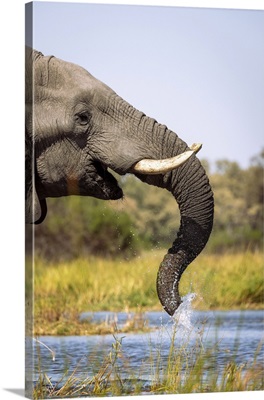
[197, 70]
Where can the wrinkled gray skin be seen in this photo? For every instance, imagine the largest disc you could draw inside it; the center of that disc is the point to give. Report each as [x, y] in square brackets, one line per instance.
[82, 128]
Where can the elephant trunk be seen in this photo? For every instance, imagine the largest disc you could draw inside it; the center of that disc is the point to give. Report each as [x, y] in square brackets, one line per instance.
[196, 208]
[144, 138]
[190, 187]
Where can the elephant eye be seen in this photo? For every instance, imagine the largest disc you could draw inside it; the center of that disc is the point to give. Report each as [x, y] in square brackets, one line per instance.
[82, 118]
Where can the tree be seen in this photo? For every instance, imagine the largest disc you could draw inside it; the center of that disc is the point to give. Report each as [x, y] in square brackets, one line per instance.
[254, 195]
[154, 211]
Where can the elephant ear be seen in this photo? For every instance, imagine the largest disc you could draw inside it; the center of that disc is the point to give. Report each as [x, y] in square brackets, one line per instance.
[35, 209]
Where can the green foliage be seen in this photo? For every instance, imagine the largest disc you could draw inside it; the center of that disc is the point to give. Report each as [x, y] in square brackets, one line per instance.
[238, 197]
[84, 225]
[154, 211]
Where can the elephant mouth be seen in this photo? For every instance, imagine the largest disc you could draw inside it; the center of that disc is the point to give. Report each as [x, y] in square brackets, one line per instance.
[105, 184]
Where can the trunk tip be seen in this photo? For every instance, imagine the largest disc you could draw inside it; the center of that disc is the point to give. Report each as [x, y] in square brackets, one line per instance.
[167, 283]
[172, 307]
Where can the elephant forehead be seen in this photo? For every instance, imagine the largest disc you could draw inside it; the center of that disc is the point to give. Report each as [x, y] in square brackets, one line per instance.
[60, 75]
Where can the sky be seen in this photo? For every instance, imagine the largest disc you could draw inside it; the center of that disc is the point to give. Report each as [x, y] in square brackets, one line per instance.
[197, 70]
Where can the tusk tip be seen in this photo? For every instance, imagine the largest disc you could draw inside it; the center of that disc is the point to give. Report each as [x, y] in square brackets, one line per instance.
[196, 147]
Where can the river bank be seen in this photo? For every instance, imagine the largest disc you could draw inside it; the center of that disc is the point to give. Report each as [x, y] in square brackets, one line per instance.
[63, 291]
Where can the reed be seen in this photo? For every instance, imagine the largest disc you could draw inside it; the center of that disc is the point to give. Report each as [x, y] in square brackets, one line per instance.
[63, 290]
[186, 368]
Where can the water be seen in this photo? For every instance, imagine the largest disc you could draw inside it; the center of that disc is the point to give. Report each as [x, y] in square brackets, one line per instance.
[231, 335]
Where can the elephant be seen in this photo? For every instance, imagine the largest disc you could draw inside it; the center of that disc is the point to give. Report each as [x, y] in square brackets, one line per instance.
[77, 128]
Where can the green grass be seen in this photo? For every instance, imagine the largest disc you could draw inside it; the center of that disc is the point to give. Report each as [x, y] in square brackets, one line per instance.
[63, 290]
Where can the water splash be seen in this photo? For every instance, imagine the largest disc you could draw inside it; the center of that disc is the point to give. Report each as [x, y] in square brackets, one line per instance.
[182, 318]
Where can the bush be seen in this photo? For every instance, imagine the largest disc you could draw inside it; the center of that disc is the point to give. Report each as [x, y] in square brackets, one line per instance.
[78, 226]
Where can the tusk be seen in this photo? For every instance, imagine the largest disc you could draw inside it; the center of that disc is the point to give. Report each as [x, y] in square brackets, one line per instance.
[196, 147]
[155, 167]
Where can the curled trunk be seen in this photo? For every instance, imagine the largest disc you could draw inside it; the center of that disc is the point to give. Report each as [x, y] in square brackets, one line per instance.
[190, 187]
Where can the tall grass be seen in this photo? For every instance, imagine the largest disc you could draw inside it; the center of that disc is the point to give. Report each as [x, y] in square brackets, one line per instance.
[227, 281]
[64, 290]
[186, 368]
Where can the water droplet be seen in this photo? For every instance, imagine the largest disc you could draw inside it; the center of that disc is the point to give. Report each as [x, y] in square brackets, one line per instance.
[183, 315]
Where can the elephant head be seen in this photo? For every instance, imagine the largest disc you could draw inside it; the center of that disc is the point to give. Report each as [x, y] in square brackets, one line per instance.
[77, 128]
